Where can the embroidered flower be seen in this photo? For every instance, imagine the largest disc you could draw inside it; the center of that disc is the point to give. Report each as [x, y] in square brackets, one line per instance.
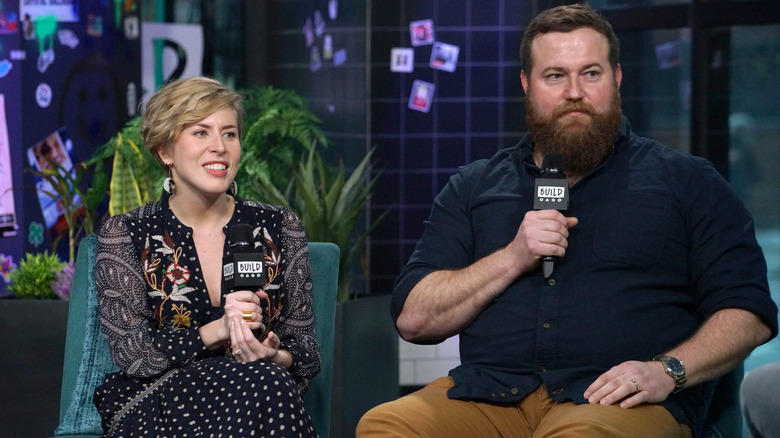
[167, 244]
[177, 274]
[179, 293]
[181, 318]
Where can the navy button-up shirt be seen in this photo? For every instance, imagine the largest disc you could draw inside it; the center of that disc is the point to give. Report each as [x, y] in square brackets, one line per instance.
[662, 243]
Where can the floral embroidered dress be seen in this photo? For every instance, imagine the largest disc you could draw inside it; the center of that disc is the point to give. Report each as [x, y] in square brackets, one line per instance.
[152, 299]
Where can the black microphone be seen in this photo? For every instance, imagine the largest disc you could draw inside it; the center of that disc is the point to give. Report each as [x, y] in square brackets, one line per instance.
[551, 192]
[244, 268]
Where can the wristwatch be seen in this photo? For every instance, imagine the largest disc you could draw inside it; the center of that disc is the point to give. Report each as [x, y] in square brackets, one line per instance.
[675, 368]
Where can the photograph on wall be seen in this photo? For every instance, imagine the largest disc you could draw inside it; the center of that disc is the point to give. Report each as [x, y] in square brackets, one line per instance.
[9, 23]
[401, 60]
[668, 55]
[59, 10]
[444, 57]
[7, 207]
[53, 152]
[422, 95]
[422, 32]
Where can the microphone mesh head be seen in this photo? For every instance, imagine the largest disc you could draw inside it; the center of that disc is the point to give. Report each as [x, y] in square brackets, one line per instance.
[241, 237]
[553, 163]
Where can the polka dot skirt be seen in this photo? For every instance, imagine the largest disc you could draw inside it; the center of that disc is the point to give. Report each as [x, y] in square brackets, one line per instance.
[216, 397]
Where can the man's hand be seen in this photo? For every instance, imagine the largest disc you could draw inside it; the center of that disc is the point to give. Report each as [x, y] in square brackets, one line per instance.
[542, 233]
[631, 383]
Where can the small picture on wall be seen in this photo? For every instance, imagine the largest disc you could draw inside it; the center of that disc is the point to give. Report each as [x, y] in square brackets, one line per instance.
[422, 96]
[53, 152]
[402, 60]
[422, 32]
[444, 57]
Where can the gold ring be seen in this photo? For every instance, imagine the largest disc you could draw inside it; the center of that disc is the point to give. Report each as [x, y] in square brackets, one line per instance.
[636, 385]
[247, 316]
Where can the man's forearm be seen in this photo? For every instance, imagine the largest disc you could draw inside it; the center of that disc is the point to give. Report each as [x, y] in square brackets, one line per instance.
[444, 302]
[720, 344]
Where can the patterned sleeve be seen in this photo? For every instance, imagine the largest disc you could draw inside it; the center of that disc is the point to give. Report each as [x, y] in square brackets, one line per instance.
[137, 346]
[296, 323]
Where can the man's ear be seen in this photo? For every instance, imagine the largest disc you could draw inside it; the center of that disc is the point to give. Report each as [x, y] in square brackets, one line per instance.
[524, 81]
[618, 75]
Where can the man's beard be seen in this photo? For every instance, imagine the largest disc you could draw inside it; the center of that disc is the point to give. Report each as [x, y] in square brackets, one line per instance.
[582, 143]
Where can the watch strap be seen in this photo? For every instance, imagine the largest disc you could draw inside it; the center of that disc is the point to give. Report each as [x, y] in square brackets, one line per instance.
[680, 379]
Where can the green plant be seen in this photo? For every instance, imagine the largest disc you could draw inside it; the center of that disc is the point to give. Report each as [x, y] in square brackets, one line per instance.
[79, 205]
[136, 177]
[279, 127]
[329, 203]
[35, 276]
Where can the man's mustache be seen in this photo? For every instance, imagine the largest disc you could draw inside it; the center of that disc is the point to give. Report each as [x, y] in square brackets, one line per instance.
[567, 108]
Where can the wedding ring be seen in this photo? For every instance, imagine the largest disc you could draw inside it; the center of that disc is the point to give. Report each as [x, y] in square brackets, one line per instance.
[247, 316]
[636, 385]
[238, 352]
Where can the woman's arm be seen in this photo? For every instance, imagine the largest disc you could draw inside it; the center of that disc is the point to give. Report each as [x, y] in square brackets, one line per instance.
[137, 346]
[295, 325]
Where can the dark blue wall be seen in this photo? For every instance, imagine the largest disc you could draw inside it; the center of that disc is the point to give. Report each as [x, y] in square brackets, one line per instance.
[95, 59]
[476, 109]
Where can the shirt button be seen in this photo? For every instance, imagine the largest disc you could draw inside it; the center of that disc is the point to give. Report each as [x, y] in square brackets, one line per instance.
[558, 391]
[542, 368]
[515, 391]
[551, 282]
[546, 325]
[502, 394]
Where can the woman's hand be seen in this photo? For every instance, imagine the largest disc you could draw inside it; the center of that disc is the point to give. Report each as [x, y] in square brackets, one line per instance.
[217, 333]
[241, 303]
[246, 348]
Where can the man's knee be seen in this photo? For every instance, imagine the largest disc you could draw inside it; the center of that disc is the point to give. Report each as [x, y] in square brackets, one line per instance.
[371, 420]
[381, 421]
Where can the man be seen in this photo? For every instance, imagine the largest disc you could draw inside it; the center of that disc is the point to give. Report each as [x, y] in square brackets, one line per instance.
[659, 285]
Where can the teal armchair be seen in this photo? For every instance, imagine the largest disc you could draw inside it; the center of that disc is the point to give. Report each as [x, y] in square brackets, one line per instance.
[87, 357]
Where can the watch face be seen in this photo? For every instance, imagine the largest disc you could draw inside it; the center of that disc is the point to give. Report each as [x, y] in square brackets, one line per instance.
[675, 366]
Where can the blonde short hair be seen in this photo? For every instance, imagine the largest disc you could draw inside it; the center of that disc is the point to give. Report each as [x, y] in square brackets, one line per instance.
[181, 103]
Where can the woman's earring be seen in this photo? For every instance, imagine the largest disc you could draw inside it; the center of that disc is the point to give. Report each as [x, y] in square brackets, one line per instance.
[169, 185]
[233, 189]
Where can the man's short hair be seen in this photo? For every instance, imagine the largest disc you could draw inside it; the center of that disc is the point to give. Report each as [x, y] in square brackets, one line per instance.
[566, 19]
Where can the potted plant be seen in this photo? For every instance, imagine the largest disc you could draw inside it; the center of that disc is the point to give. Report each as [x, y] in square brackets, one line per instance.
[33, 323]
[279, 127]
[136, 177]
[329, 203]
[41, 276]
[79, 205]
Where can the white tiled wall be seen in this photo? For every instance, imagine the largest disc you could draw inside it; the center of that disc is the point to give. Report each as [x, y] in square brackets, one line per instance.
[421, 364]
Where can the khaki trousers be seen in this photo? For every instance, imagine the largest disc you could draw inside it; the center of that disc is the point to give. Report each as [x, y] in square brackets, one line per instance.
[429, 413]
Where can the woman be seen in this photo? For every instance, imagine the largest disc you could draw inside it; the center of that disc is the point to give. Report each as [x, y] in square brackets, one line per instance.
[194, 359]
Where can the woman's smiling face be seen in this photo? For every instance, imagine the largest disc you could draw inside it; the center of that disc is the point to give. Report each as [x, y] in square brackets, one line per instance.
[205, 157]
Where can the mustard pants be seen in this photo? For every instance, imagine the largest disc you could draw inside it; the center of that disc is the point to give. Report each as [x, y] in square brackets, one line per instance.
[428, 413]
